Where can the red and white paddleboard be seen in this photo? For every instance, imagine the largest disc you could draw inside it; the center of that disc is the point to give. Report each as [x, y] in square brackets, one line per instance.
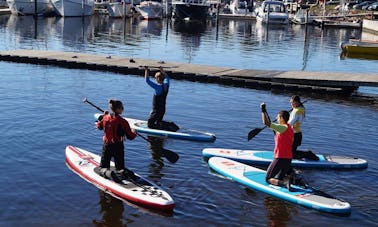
[137, 190]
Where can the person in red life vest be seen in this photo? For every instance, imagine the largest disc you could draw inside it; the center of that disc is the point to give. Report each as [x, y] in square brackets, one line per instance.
[283, 138]
[116, 128]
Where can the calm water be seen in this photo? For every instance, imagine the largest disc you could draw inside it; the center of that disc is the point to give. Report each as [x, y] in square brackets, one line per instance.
[42, 112]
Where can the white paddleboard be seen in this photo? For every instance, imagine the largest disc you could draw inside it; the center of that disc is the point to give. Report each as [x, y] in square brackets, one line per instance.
[184, 134]
[138, 190]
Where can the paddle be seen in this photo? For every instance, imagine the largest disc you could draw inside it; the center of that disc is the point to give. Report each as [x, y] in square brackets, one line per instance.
[170, 155]
[256, 131]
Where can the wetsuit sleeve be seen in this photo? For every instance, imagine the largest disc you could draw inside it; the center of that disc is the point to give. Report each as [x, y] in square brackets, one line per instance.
[278, 128]
[126, 128]
[166, 82]
[99, 125]
[155, 86]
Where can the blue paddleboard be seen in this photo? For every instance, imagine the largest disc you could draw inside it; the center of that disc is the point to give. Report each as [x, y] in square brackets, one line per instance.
[264, 158]
[183, 134]
[254, 178]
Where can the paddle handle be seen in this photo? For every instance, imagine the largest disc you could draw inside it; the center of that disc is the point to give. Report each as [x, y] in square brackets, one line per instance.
[90, 103]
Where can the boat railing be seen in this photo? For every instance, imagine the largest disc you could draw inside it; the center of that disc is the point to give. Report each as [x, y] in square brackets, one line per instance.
[192, 2]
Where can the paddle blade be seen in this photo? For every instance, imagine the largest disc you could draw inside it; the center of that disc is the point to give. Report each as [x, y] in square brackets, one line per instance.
[171, 156]
[254, 132]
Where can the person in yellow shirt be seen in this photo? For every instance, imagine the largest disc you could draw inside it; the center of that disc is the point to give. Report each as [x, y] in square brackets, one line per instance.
[297, 116]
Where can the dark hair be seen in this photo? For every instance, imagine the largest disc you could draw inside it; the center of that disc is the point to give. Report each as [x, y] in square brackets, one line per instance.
[297, 99]
[285, 115]
[115, 104]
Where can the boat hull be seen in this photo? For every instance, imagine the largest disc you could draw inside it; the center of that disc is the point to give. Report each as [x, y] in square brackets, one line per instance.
[190, 11]
[24, 7]
[73, 8]
[119, 9]
[150, 10]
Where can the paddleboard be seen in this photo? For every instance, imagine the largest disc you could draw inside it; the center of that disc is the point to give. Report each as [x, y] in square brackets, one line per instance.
[183, 134]
[137, 190]
[264, 158]
[254, 178]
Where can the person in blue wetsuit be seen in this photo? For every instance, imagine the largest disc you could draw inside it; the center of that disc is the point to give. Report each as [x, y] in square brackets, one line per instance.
[161, 88]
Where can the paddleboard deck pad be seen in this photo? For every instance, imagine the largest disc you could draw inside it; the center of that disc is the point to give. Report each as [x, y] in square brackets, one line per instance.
[254, 178]
[131, 187]
[183, 134]
[264, 158]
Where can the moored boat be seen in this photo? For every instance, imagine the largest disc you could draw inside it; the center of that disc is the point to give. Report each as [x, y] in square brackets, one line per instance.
[27, 7]
[360, 47]
[150, 10]
[119, 8]
[272, 12]
[190, 10]
[73, 8]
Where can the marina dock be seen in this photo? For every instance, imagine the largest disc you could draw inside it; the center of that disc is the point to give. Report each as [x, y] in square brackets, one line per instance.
[328, 82]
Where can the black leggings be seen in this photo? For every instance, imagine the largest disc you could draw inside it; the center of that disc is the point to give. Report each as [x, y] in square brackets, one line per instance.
[296, 143]
[155, 118]
[279, 166]
[115, 150]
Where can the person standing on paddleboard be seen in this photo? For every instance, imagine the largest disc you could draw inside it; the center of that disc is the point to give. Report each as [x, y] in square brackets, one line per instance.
[116, 128]
[161, 88]
[283, 138]
[297, 116]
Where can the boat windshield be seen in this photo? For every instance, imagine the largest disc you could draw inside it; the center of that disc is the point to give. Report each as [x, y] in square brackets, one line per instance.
[278, 8]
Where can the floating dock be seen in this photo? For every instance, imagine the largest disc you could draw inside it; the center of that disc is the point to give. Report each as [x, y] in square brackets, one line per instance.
[326, 82]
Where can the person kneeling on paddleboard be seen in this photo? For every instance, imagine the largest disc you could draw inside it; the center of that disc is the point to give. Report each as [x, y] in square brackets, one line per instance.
[161, 88]
[283, 137]
[116, 128]
[297, 116]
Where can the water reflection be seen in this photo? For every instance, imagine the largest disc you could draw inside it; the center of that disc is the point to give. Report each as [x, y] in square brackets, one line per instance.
[189, 27]
[152, 27]
[28, 27]
[278, 212]
[75, 31]
[111, 209]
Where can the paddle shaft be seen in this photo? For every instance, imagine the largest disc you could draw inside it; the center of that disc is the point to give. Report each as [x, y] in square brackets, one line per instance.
[90, 103]
[171, 156]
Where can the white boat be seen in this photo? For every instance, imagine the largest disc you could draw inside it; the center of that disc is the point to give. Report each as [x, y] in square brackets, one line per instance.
[190, 10]
[302, 17]
[27, 7]
[121, 8]
[150, 9]
[73, 8]
[239, 7]
[272, 12]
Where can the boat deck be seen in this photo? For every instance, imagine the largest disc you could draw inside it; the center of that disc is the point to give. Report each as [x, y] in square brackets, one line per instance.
[327, 82]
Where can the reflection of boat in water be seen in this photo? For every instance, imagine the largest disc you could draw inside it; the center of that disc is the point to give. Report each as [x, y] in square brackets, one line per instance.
[189, 27]
[28, 27]
[120, 8]
[190, 9]
[360, 48]
[150, 9]
[74, 30]
[27, 7]
[272, 12]
[73, 8]
[153, 27]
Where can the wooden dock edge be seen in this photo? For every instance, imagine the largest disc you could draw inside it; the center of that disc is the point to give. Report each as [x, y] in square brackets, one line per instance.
[254, 79]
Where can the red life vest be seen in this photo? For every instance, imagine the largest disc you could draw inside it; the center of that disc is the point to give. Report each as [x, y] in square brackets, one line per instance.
[115, 128]
[284, 142]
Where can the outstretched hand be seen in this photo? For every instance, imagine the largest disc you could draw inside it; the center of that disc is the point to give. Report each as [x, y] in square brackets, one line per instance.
[263, 107]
